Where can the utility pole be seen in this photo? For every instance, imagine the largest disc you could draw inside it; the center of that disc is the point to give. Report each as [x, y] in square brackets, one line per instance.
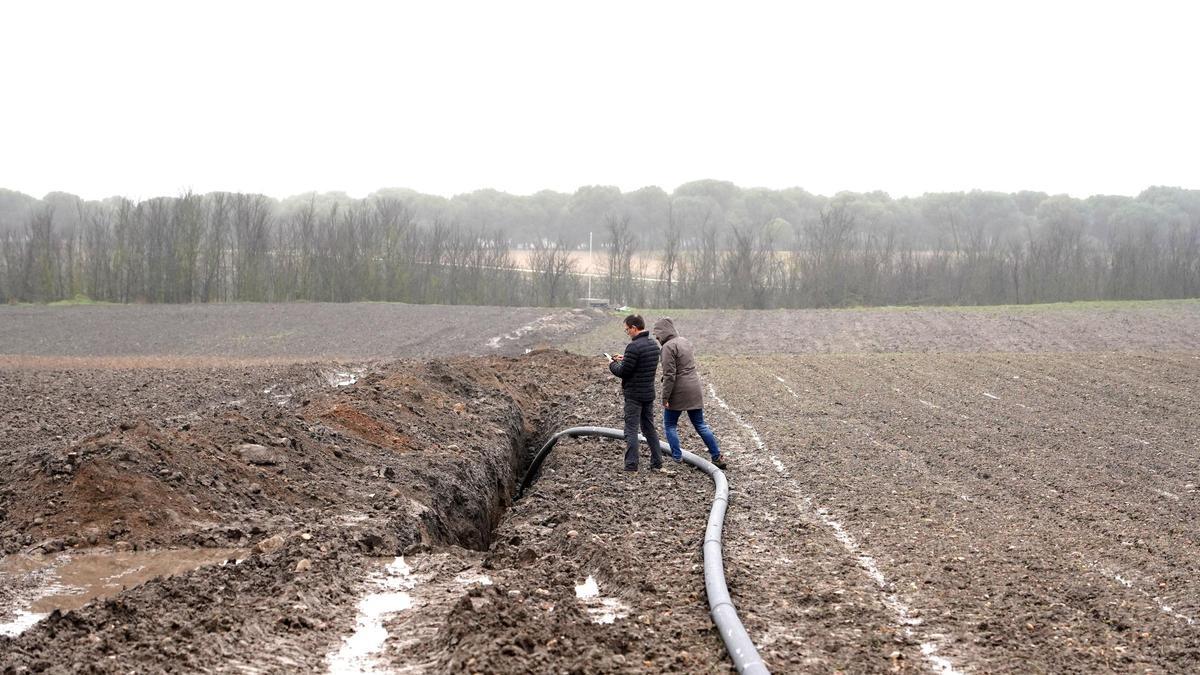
[589, 267]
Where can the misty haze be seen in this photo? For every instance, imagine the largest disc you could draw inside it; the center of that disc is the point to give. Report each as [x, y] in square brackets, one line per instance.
[706, 244]
[594, 338]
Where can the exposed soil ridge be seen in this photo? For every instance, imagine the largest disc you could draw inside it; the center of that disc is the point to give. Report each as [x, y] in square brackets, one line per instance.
[413, 455]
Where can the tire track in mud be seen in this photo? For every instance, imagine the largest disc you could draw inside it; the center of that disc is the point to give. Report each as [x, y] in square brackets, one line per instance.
[904, 617]
[996, 512]
[555, 325]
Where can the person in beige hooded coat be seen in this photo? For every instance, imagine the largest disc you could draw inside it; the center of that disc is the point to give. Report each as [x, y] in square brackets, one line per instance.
[682, 391]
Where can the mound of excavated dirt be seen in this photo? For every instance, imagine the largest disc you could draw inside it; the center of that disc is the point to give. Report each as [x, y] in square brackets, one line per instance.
[400, 439]
[412, 455]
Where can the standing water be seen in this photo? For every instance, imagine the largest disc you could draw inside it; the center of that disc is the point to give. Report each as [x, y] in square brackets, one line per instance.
[359, 651]
[42, 584]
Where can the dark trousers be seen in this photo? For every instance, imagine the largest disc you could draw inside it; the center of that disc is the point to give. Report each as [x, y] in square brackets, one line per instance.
[640, 414]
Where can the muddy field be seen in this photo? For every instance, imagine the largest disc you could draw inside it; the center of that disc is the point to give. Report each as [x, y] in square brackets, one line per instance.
[1169, 325]
[934, 490]
[1000, 513]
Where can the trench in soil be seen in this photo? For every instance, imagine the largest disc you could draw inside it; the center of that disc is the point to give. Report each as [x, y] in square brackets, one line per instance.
[401, 609]
[69, 580]
[351, 486]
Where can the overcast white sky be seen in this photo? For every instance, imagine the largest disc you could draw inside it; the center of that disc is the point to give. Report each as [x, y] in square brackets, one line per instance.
[147, 99]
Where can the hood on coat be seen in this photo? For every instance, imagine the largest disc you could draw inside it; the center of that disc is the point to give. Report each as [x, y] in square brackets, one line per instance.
[664, 329]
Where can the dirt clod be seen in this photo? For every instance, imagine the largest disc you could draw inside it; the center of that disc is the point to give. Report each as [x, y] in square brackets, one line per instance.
[269, 545]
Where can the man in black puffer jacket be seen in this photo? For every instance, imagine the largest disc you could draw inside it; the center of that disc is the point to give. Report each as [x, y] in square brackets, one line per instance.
[637, 369]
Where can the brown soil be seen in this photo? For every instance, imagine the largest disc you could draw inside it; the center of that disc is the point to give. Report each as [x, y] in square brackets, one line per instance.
[1011, 492]
[1036, 512]
[324, 469]
[637, 534]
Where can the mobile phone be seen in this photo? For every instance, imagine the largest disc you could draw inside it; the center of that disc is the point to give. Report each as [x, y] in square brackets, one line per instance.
[608, 356]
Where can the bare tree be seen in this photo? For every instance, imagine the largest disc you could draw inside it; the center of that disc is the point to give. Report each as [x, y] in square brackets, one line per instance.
[188, 225]
[41, 258]
[251, 239]
[826, 249]
[552, 267]
[396, 221]
[669, 264]
[622, 246]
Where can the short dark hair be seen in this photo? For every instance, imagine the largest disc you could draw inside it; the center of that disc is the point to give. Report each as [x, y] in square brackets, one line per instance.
[635, 321]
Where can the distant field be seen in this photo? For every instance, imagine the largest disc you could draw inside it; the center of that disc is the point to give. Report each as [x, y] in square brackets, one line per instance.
[1103, 326]
[596, 263]
[304, 331]
[192, 334]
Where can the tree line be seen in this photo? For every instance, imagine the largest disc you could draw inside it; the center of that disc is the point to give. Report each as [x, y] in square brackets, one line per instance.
[708, 244]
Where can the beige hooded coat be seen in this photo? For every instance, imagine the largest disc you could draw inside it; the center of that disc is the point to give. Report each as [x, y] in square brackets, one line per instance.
[681, 388]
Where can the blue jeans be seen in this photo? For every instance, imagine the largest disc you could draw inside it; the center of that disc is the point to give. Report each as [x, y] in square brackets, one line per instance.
[671, 427]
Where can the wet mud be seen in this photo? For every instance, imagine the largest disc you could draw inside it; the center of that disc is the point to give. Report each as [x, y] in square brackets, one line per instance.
[911, 492]
[594, 570]
[71, 580]
[412, 456]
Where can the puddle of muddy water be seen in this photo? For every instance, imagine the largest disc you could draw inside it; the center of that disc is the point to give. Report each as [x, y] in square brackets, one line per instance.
[359, 652]
[588, 589]
[279, 398]
[344, 378]
[71, 580]
[601, 610]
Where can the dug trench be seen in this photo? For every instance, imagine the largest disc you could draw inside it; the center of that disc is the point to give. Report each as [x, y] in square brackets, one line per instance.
[414, 464]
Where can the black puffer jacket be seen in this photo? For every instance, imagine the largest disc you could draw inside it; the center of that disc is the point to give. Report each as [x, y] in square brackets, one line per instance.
[638, 368]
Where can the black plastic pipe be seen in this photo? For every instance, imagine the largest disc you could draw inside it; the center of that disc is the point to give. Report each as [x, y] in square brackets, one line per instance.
[724, 615]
